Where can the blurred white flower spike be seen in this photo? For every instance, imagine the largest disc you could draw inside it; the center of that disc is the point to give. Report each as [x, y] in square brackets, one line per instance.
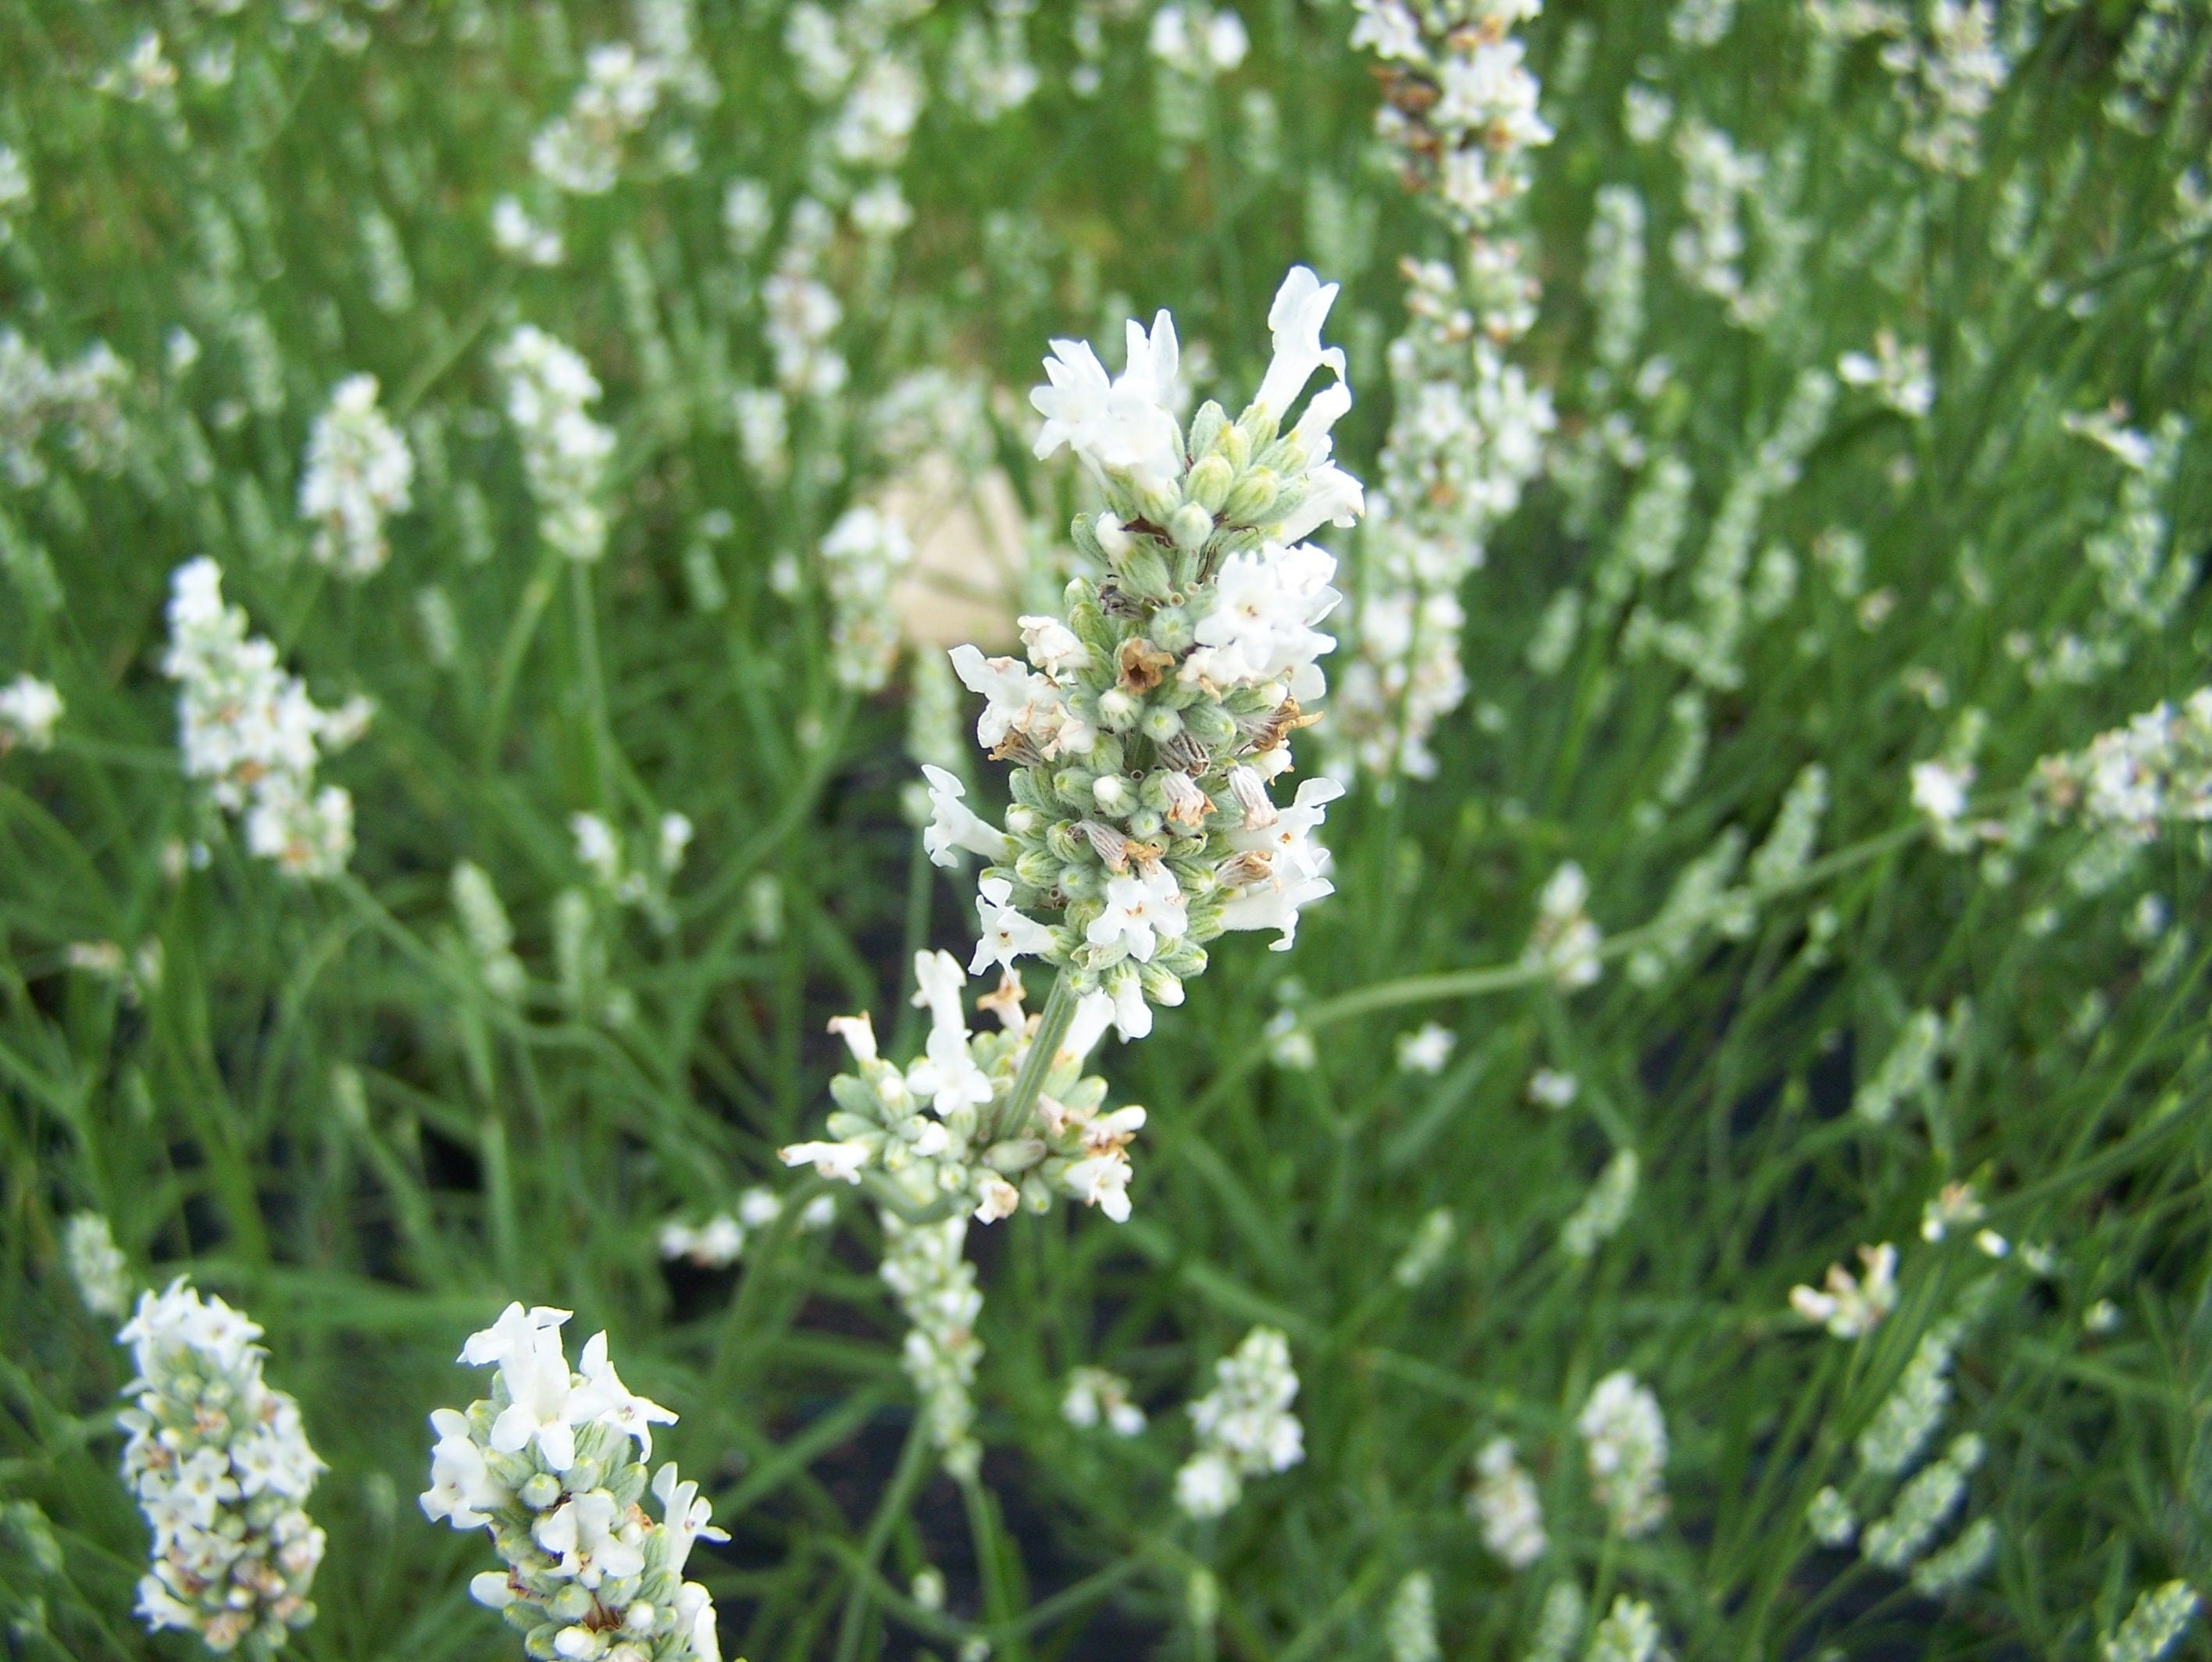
[222, 1471]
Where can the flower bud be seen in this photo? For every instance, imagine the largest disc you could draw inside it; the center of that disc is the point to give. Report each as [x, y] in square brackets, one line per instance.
[1189, 526]
[1208, 484]
[1253, 497]
[1206, 428]
[1170, 629]
[1112, 793]
[540, 1492]
[1015, 1155]
[1160, 723]
[1145, 571]
[1118, 710]
[1113, 541]
[1037, 869]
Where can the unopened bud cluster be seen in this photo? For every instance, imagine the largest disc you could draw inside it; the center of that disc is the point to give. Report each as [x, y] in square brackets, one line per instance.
[545, 1465]
[222, 1471]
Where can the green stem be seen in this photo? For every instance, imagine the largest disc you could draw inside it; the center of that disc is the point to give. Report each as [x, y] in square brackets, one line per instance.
[1501, 978]
[1036, 1063]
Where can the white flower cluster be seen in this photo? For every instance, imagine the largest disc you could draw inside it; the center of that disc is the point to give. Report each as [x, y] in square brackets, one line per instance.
[2132, 781]
[1629, 1633]
[1851, 1307]
[926, 1267]
[249, 728]
[96, 1264]
[1604, 1209]
[934, 1133]
[29, 711]
[222, 1469]
[1946, 83]
[488, 933]
[357, 474]
[720, 1240]
[801, 312]
[1151, 716]
[1504, 1498]
[1467, 431]
[1898, 375]
[80, 401]
[1460, 103]
[544, 1465]
[550, 390]
[1409, 1626]
[1922, 1506]
[863, 555]
[1564, 942]
[2156, 1621]
[586, 149]
[1245, 1425]
[1627, 1453]
[1096, 1396]
[1197, 40]
[14, 189]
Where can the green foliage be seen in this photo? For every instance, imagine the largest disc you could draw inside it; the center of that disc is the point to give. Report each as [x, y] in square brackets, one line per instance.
[312, 1097]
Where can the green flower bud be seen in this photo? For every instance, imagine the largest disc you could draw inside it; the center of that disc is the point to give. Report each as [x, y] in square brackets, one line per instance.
[1208, 485]
[1160, 723]
[1015, 1155]
[1037, 869]
[1189, 526]
[1206, 428]
[1170, 628]
[1145, 572]
[540, 1492]
[1253, 497]
[1118, 711]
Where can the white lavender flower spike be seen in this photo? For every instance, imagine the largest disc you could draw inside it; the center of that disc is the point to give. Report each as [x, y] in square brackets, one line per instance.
[222, 1471]
[546, 1465]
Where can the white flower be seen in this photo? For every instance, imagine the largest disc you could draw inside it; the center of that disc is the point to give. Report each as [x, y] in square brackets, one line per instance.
[954, 825]
[1013, 698]
[1427, 1049]
[543, 1406]
[1260, 627]
[219, 1466]
[1850, 1308]
[1053, 647]
[1206, 1484]
[1101, 1180]
[1300, 308]
[1124, 427]
[462, 1491]
[1008, 933]
[603, 1397]
[947, 1074]
[1939, 791]
[1143, 909]
[1095, 1396]
[841, 1163]
[1628, 1451]
[29, 710]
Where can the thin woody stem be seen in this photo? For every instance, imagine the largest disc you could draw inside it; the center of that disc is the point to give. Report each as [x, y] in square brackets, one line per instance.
[1014, 1113]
